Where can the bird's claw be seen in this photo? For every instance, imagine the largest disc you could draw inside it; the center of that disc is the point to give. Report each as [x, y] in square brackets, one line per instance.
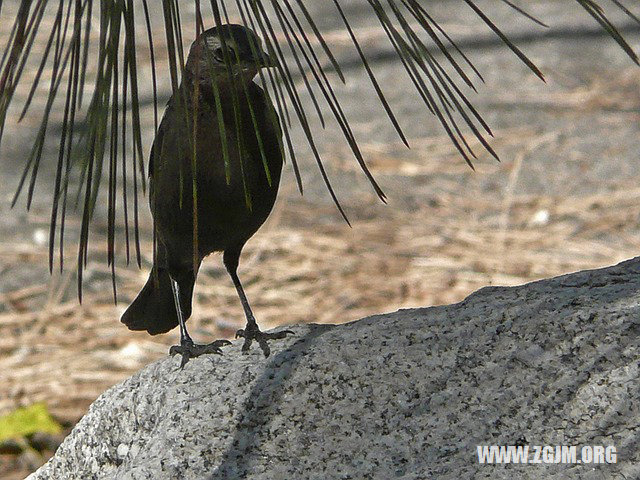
[189, 350]
[251, 334]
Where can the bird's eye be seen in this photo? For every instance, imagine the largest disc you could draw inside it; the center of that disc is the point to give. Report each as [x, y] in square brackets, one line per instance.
[218, 54]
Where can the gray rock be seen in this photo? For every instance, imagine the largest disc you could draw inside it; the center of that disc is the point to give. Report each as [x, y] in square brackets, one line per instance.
[405, 395]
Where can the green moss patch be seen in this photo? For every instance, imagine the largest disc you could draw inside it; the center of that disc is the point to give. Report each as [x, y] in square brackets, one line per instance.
[26, 421]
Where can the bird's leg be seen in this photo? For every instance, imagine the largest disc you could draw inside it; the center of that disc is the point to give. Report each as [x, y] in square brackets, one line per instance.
[251, 332]
[187, 348]
[185, 338]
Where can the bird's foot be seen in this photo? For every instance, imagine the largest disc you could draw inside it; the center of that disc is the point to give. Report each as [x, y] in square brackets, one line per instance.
[252, 333]
[189, 350]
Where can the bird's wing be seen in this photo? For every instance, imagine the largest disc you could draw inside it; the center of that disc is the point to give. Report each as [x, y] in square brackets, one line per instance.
[156, 148]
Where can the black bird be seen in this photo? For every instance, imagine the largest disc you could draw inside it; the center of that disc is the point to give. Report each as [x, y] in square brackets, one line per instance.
[222, 125]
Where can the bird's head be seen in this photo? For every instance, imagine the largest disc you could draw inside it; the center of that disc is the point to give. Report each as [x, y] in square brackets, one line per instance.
[244, 55]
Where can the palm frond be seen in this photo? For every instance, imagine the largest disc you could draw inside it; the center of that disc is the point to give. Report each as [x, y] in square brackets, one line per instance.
[109, 126]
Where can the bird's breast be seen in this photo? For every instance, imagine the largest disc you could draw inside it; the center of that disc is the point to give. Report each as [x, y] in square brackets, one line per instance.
[226, 161]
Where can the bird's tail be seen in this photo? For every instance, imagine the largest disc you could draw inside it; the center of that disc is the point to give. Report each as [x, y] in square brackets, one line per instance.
[154, 309]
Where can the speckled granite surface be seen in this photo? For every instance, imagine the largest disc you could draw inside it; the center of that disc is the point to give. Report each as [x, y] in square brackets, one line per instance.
[405, 395]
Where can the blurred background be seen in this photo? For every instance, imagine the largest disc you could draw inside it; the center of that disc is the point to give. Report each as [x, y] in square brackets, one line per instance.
[565, 197]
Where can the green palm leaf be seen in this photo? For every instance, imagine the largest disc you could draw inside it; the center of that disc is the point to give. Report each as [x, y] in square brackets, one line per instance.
[107, 127]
